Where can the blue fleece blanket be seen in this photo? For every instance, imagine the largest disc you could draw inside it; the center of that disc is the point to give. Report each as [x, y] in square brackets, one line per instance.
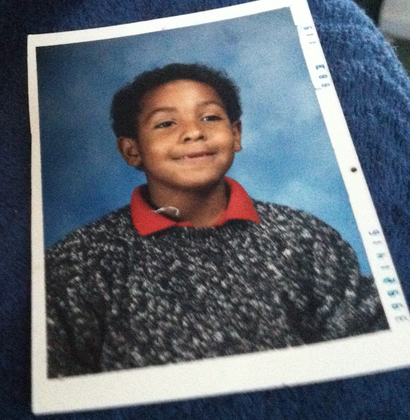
[375, 95]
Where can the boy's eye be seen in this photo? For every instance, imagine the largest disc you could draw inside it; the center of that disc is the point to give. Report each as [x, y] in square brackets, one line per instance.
[212, 118]
[164, 124]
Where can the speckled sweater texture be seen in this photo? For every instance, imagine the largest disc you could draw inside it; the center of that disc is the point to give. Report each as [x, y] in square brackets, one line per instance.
[119, 300]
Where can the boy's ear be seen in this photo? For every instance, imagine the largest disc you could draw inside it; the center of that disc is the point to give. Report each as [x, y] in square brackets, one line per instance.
[129, 150]
[237, 133]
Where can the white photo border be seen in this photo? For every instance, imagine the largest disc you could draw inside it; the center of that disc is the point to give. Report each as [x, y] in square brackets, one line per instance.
[255, 371]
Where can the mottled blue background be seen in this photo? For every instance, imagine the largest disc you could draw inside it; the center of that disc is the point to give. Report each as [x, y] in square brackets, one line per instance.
[286, 158]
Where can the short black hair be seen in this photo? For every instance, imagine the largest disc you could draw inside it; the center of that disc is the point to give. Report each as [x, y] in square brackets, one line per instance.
[126, 104]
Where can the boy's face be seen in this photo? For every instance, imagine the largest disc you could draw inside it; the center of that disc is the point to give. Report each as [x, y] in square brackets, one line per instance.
[186, 140]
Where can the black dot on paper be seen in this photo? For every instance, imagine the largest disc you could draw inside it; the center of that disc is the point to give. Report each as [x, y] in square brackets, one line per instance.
[353, 169]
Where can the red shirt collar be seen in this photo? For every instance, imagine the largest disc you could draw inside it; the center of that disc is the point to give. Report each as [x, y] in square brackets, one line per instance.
[146, 221]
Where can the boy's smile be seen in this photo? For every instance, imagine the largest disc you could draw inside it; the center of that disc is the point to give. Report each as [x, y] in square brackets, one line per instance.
[185, 138]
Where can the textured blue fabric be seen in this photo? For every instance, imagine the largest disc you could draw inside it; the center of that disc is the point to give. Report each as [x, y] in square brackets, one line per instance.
[375, 95]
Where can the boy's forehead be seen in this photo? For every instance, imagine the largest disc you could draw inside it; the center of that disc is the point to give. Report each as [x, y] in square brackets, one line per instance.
[181, 88]
[185, 85]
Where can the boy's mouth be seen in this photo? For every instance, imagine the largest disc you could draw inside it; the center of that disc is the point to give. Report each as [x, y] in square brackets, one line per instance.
[194, 156]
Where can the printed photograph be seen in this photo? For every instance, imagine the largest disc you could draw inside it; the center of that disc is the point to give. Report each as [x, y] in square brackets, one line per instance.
[193, 206]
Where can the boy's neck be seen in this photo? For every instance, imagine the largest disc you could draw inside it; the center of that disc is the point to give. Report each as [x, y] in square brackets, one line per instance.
[201, 207]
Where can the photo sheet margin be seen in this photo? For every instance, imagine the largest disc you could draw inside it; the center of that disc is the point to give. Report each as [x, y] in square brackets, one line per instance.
[235, 373]
[377, 251]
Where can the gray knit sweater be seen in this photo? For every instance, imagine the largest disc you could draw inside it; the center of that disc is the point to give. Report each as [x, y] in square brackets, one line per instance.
[119, 300]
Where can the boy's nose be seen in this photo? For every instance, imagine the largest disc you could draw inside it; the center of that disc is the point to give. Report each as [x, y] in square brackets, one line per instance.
[192, 131]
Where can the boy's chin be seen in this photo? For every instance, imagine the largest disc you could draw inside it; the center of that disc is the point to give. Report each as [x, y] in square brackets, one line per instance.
[202, 183]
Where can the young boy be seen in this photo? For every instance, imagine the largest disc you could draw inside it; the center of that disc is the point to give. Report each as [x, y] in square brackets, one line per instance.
[194, 268]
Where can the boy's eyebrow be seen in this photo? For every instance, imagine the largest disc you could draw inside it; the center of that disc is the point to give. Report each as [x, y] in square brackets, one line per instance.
[171, 109]
[212, 102]
[160, 109]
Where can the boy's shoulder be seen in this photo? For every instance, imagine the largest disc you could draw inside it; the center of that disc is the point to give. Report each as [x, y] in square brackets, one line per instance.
[113, 227]
[306, 234]
[278, 217]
